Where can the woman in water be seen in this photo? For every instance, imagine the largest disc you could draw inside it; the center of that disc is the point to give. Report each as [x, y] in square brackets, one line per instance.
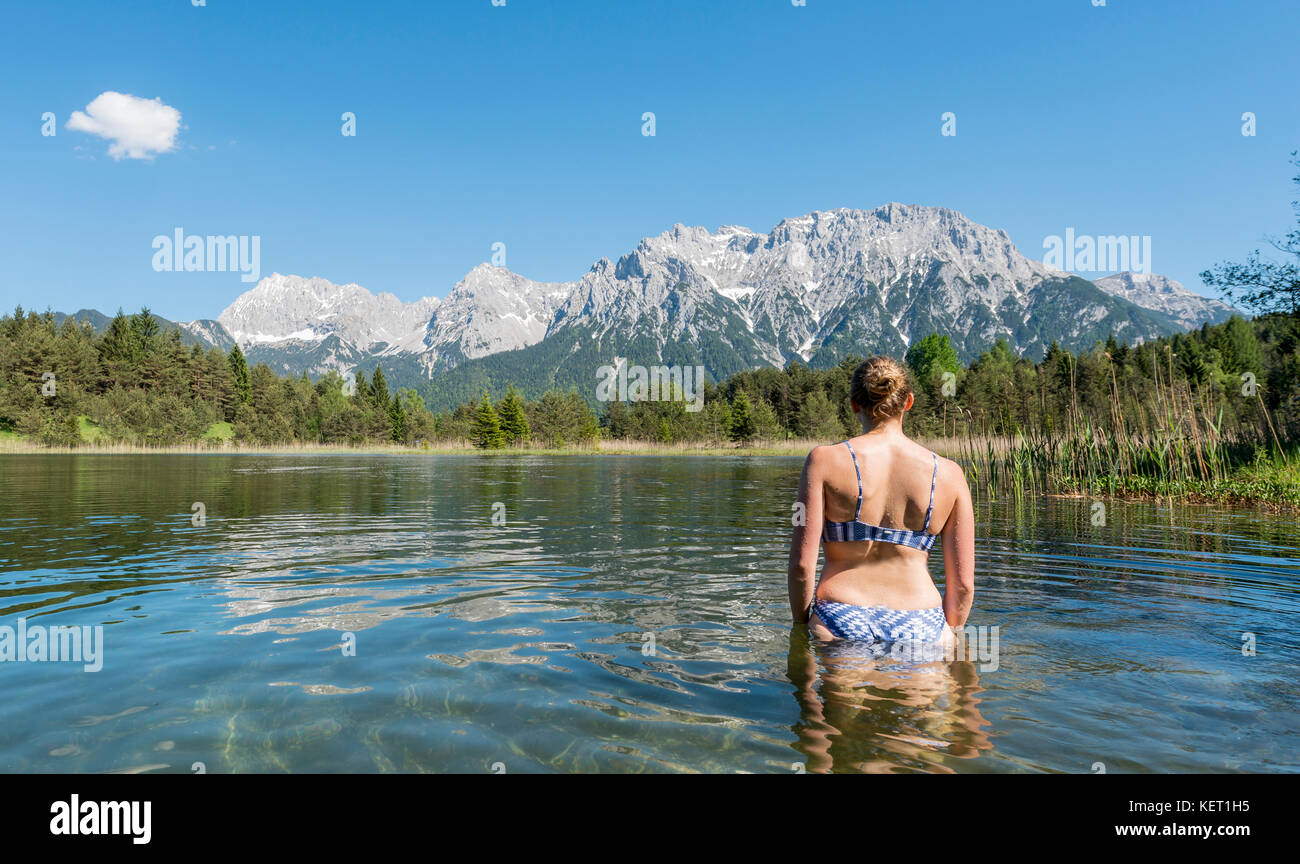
[873, 502]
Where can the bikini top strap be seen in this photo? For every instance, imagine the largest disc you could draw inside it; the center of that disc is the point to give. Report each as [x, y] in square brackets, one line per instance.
[933, 478]
[857, 512]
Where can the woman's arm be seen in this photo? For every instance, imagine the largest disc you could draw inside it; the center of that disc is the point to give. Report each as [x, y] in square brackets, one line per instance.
[806, 539]
[959, 554]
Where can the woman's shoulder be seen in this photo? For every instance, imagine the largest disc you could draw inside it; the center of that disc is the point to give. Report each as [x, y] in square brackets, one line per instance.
[829, 460]
[949, 473]
[945, 468]
[823, 454]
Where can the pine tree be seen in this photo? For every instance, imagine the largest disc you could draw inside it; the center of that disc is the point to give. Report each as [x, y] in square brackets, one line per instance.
[742, 425]
[146, 329]
[239, 366]
[514, 424]
[397, 419]
[361, 393]
[117, 352]
[767, 427]
[486, 432]
[379, 390]
[587, 423]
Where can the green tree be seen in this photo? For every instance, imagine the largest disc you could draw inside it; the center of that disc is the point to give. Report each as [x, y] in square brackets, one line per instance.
[767, 426]
[218, 383]
[514, 423]
[420, 424]
[146, 329]
[818, 418]
[990, 386]
[559, 419]
[930, 357]
[1237, 345]
[397, 419]
[716, 420]
[742, 424]
[379, 390]
[239, 368]
[486, 432]
[119, 353]
[59, 429]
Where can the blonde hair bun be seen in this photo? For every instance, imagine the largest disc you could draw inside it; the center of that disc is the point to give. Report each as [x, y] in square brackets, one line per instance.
[881, 387]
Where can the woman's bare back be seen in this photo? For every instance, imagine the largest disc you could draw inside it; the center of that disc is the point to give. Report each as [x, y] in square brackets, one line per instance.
[896, 474]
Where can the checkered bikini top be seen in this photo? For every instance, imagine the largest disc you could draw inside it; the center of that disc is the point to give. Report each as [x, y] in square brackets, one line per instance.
[844, 532]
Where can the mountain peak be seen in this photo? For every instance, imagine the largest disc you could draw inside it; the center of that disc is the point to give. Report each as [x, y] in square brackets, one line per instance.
[1162, 294]
[308, 309]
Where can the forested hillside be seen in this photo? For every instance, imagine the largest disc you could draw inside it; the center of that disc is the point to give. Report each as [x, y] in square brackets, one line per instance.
[139, 383]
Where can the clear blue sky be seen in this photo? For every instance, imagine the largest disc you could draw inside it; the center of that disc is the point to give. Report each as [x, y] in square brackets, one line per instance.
[522, 124]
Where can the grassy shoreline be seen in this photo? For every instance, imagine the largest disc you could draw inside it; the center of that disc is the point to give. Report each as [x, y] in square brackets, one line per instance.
[1001, 470]
[605, 447]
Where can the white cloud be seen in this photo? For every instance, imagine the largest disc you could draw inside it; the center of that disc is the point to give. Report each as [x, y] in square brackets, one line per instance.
[137, 128]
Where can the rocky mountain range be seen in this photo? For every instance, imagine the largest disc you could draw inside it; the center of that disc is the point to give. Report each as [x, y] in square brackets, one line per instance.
[814, 288]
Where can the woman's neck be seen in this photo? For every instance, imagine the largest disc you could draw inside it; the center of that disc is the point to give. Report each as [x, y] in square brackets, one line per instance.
[884, 428]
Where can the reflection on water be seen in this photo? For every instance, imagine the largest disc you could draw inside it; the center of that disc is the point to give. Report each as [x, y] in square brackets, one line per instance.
[882, 715]
[364, 613]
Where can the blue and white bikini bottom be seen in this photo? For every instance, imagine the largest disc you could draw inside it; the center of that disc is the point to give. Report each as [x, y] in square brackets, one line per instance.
[881, 625]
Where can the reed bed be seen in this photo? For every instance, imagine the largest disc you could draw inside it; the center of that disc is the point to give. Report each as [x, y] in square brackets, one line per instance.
[1181, 452]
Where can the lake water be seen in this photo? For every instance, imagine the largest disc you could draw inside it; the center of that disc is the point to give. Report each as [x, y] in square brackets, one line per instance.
[358, 612]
